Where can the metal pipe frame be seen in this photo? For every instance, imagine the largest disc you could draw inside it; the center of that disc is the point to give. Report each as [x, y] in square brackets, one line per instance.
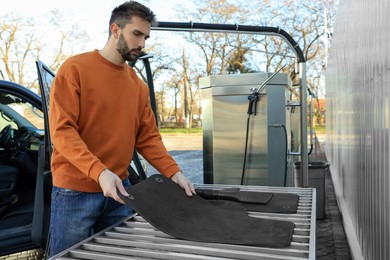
[261, 30]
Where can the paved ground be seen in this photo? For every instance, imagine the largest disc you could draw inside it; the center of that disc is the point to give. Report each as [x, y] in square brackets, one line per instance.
[187, 150]
[331, 241]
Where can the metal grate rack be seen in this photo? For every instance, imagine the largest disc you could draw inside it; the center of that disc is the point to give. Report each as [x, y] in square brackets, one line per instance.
[137, 239]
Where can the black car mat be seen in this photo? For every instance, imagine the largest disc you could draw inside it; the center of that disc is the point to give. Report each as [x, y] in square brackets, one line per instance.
[286, 203]
[235, 194]
[165, 206]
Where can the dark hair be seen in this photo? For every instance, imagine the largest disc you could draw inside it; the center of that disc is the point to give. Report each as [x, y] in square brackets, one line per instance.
[122, 14]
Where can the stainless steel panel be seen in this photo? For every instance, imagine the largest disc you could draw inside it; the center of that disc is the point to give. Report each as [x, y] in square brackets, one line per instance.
[357, 86]
[137, 239]
[225, 106]
[229, 141]
[218, 82]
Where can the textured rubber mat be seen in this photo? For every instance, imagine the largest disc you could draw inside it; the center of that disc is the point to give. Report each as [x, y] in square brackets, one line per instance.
[165, 206]
[286, 203]
[280, 203]
[235, 194]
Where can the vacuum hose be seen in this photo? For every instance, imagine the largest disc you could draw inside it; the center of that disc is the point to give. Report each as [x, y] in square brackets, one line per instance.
[252, 109]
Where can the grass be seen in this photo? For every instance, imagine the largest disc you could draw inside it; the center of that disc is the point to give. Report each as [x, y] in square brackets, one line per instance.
[179, 131]
[320, 130]
[199, 131]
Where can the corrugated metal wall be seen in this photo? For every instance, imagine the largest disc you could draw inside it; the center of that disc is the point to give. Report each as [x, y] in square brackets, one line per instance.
[357, 144]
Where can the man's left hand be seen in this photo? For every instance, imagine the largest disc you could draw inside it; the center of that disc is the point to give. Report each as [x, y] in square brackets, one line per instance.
[180, 179]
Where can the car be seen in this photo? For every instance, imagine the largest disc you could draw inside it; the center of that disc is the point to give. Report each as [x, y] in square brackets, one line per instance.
[22, 202]
[25, 176]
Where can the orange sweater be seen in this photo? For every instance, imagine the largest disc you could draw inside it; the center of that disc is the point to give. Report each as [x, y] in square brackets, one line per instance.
[98, 112]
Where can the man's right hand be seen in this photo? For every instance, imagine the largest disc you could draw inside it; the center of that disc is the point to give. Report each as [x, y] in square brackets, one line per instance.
[110, 182]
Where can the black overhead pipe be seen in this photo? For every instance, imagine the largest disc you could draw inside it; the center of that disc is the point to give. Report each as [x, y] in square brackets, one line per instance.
[232, 28]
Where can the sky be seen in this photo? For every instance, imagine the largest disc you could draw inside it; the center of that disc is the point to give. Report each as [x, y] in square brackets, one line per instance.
[91, 15]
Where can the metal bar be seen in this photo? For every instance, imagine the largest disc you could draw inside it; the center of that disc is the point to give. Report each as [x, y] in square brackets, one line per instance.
[312, 244]
[206, 246]
[196, 249]
[268, 80]
[145, 253]
[304, 156]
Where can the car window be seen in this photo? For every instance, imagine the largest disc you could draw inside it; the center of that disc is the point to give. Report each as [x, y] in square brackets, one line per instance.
[5, 120]
[18, 112]
[47, 80]
[46, 77]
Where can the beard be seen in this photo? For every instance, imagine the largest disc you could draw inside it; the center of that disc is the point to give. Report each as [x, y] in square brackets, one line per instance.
[125, 51]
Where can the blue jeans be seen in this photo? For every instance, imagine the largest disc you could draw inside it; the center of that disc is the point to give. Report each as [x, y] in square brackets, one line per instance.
[77, 215]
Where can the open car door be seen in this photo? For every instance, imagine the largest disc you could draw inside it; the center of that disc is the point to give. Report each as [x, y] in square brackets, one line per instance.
[44, 181]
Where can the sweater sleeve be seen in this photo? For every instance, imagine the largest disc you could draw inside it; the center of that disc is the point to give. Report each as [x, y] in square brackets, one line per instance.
[150, 145]
[63, 117]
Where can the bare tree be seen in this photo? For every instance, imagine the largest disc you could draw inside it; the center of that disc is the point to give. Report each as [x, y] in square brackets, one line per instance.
[16, 51]
[215, 47]
[160, 61]
[182, 86]
[21, 45]
[174, 85]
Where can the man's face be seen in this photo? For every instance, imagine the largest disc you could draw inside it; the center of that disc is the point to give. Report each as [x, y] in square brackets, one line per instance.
[132, 38]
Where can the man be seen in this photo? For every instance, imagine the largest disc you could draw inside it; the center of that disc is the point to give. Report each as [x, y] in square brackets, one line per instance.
[100, 112]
